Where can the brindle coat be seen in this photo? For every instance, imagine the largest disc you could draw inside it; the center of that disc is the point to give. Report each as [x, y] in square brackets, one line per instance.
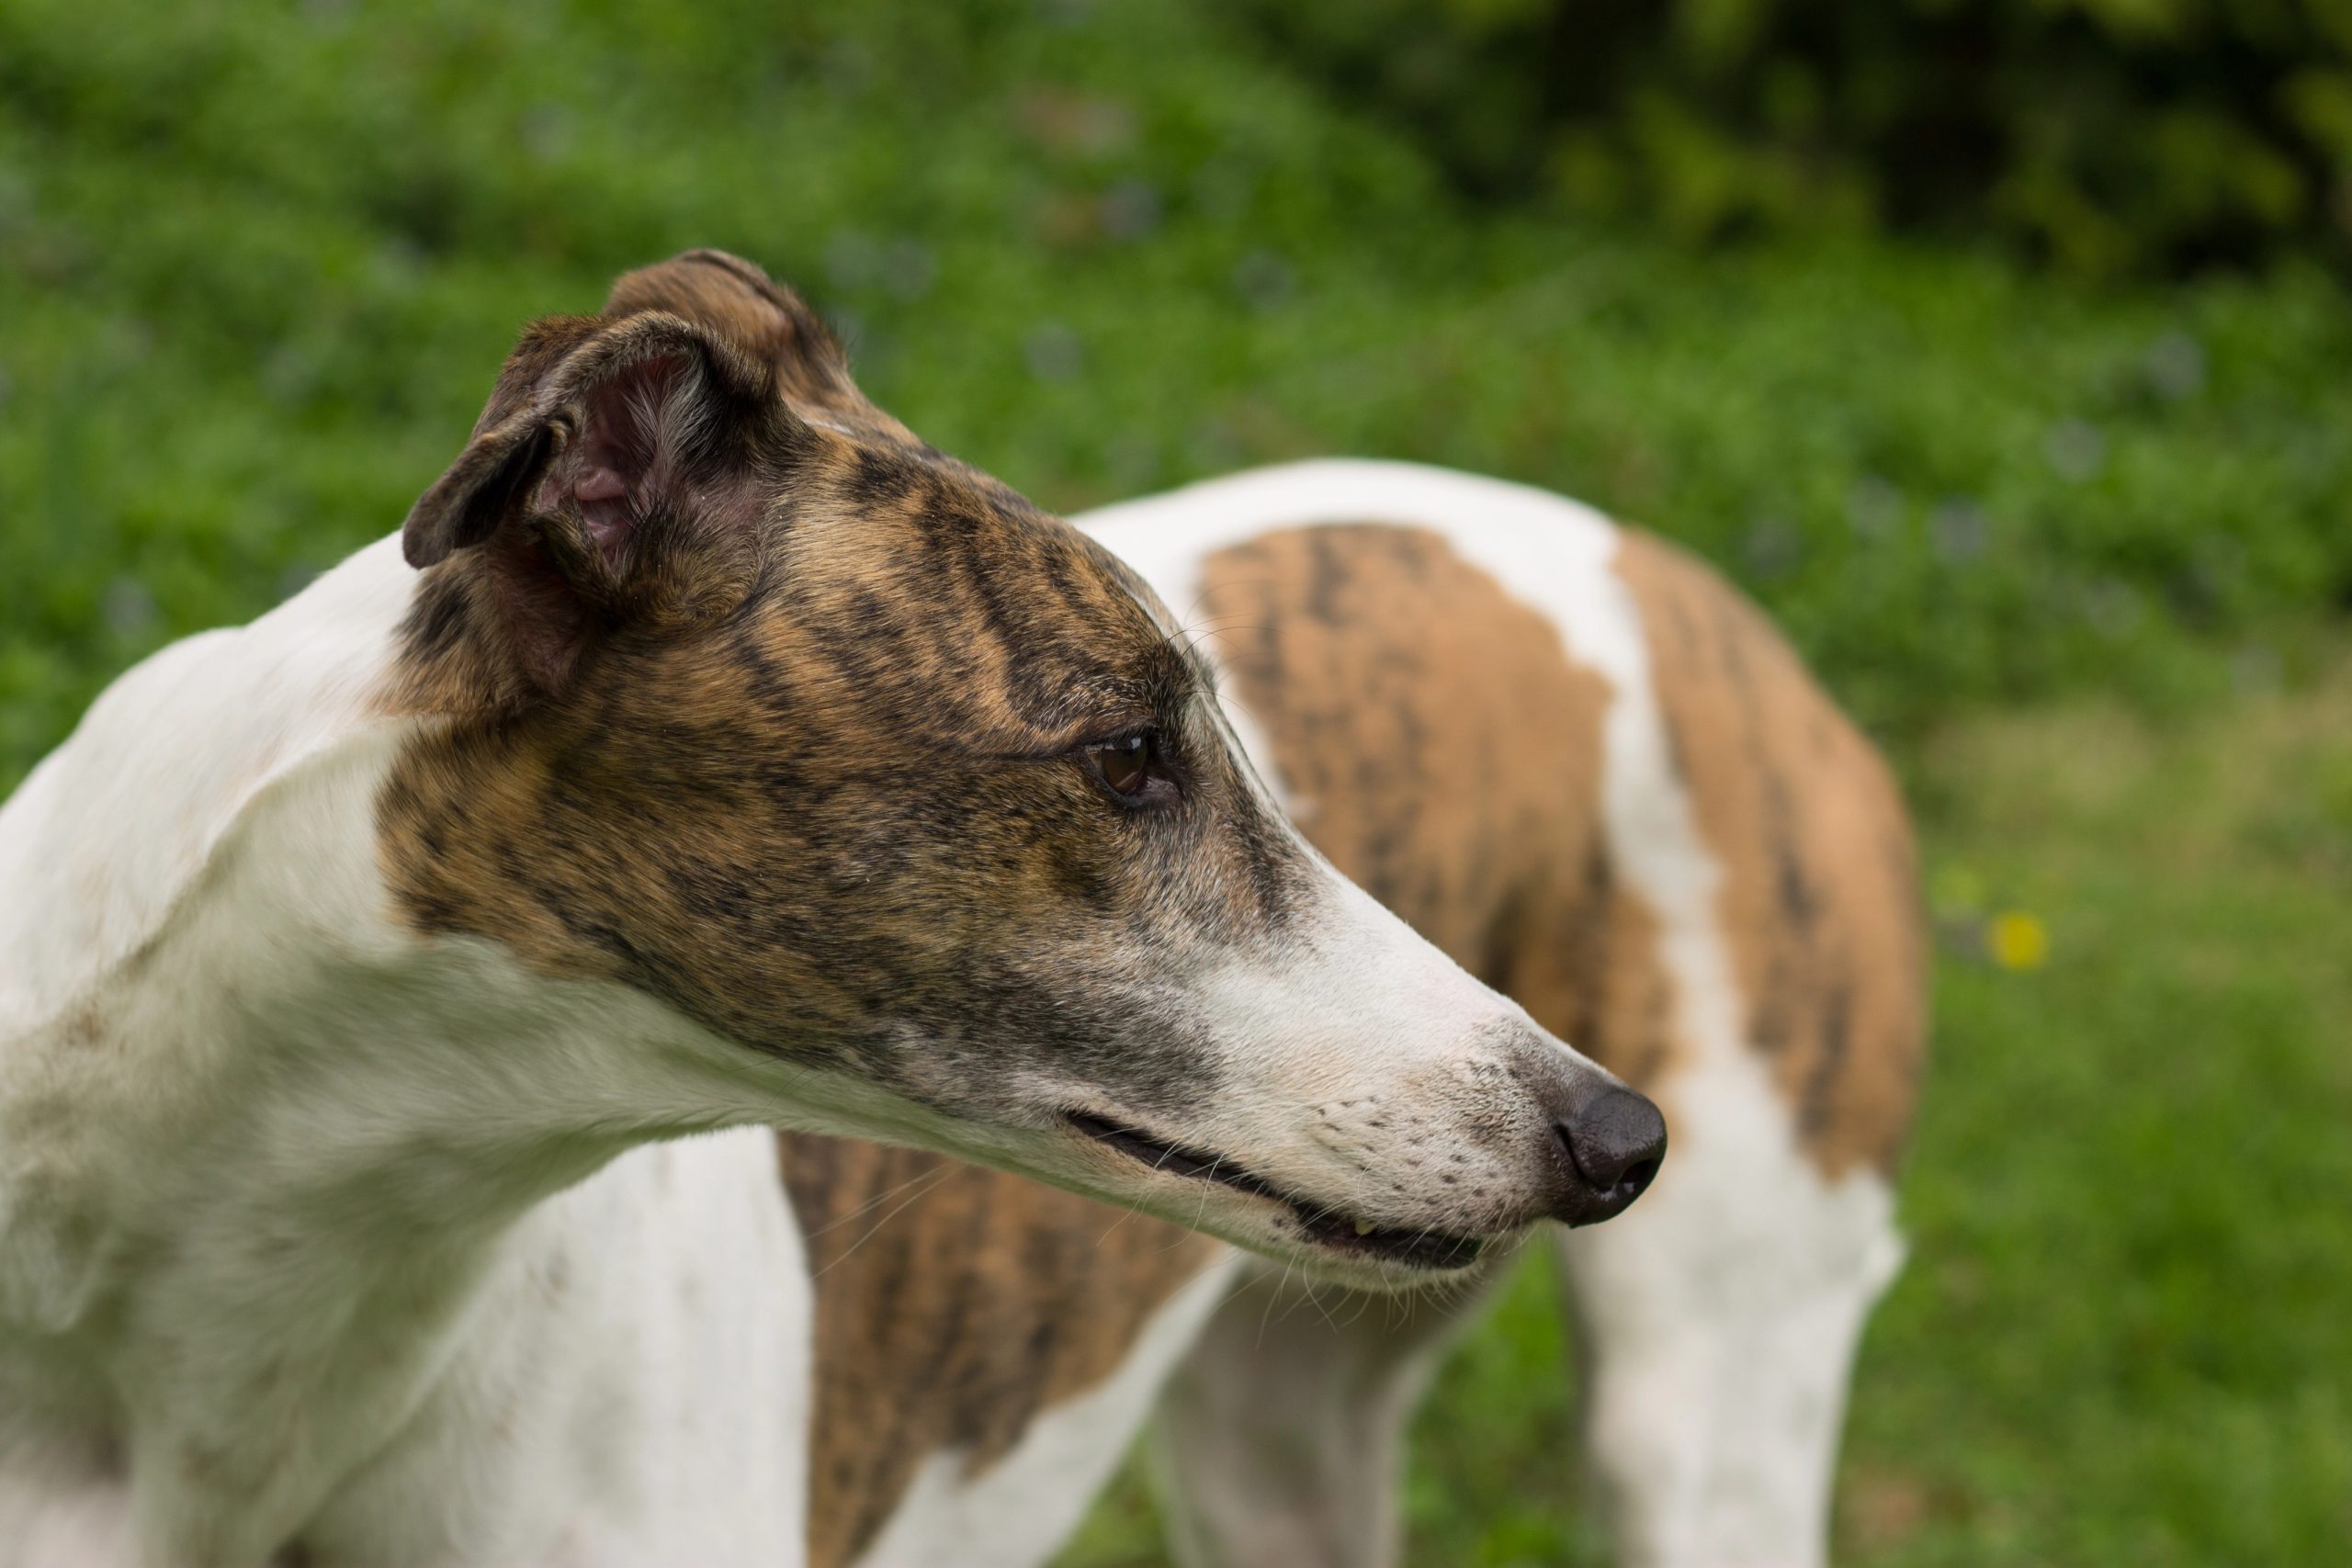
[954, 876]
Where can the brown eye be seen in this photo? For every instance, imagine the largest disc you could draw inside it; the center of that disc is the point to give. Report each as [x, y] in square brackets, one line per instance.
[1127, 765]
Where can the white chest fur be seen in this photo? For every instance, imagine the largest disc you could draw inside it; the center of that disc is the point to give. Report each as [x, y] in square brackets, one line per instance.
[628, 1385]
[274, 1265]
[634, 1389]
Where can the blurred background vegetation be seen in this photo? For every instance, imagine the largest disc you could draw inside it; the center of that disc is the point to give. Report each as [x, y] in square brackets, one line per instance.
[2103, 135]
[1999, 346]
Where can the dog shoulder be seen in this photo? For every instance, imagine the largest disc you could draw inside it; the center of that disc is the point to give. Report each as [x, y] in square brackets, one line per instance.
[105, 837]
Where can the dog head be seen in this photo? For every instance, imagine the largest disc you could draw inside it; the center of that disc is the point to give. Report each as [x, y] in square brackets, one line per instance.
[912, 799]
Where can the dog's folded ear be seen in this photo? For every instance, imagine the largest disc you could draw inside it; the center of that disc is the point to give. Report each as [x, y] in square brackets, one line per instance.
[620, 470]
[599, 431]
[735, 300]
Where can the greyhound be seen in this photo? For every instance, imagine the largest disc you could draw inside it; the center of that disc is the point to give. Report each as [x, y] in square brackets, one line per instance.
[398, 994]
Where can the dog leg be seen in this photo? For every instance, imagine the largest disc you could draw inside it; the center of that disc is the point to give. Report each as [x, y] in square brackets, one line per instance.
[1716, 1338]
[1281, 1440]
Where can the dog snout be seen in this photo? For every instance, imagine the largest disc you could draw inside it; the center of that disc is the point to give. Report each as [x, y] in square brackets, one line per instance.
[1614, 1141]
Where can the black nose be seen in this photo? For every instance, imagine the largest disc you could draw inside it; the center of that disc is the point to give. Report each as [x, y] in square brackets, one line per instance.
[1614, 1141]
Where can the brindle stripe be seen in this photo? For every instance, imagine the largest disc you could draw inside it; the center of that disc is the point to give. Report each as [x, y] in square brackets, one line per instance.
[954, 1305]
[1819, 899]
[1441, 746]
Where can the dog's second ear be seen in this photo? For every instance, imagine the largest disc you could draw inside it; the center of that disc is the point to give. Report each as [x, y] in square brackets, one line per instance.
[619, 470]
[735, 300]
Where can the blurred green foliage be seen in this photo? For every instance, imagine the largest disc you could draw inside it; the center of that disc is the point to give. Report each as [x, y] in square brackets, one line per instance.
[2109, 134]
[258, 265]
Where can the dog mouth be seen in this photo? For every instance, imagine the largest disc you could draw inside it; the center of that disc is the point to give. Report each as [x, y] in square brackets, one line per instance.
[1425, 1249]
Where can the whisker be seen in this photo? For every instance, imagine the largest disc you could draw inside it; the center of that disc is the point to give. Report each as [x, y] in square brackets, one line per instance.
[1265, 1318]
[944, 1172]
[873, 1203]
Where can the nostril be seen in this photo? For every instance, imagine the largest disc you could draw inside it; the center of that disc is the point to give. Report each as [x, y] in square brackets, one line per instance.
[1638, 1179]
[1616, 1141]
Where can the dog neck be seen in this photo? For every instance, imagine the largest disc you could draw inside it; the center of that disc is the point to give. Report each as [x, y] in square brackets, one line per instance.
[263, 1154]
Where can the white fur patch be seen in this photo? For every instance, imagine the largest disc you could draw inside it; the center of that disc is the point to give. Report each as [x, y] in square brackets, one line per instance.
[166, 760]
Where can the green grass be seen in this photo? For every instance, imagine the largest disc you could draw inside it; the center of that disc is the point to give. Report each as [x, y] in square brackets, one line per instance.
[2123, 1335]
[258, 264]
[2128, 1334]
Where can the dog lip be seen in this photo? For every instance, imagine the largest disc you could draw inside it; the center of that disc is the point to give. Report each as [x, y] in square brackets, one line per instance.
[1416, 1248]
[1172, 1158]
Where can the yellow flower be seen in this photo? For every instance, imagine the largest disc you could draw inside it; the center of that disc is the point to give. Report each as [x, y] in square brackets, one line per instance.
[2018, 941]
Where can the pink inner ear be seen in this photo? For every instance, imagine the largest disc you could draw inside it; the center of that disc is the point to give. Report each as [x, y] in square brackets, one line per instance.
[605, 476]
[603, 496]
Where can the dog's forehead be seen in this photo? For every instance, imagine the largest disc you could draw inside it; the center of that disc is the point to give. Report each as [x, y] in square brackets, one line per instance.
[942, 600]
[938, 510]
